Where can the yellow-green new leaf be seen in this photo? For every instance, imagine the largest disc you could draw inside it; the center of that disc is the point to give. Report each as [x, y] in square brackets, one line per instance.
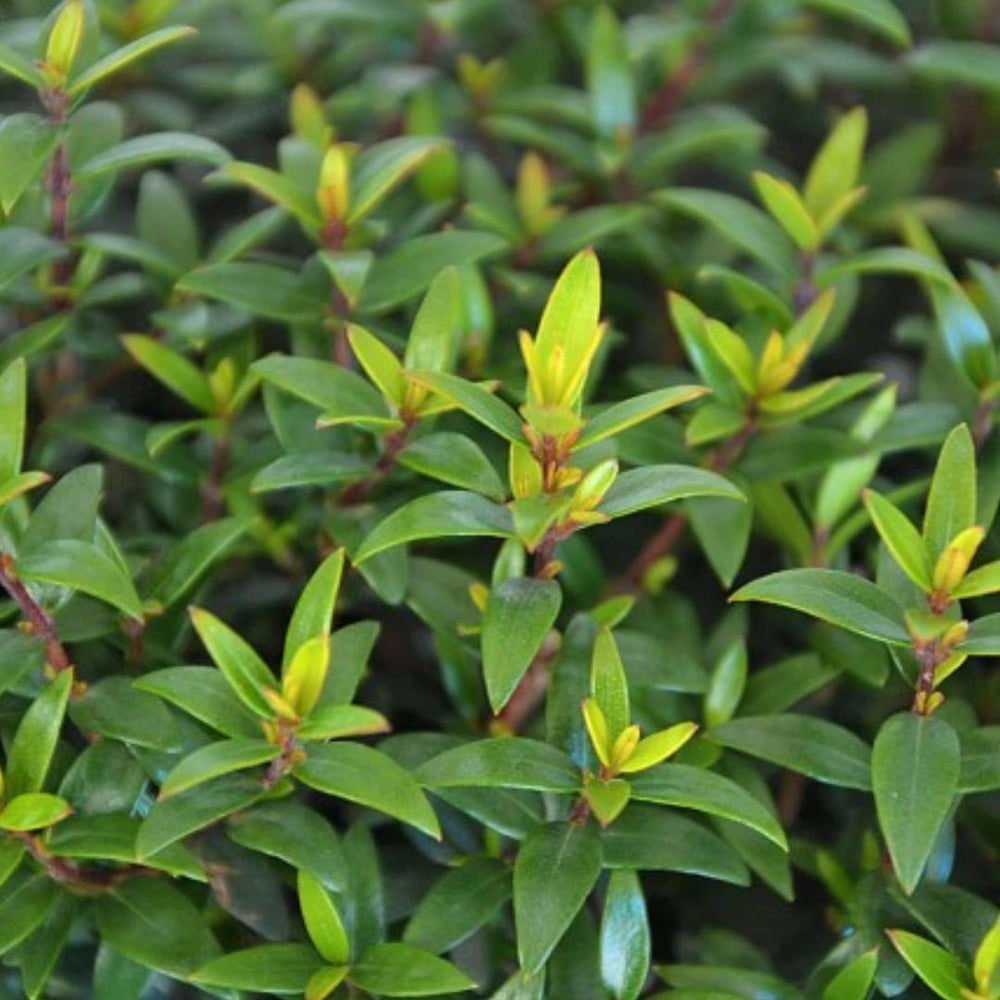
[658, 747]
[609, 685]
[784, 203]
[33, 811]
[173, 370]
[835, 168]
[322, 919]
[313, 614]
[597, 729]
[901, 538]
[302, 681]
[938, 968]
[379, 363]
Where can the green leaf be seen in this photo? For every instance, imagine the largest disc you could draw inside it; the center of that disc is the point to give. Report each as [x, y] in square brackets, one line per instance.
[154, 923]
[406, 270]
[24, 909]
[245, 671]
[915, 770]
[739, 222]
[727, 683]
[887, 260]
[651, 838]
[334, 721]
[217, 759]
[203, 693]
[154, 147]
[477, 402]
[401, 970]
[342, 395]
[324, 924]
[784, 203]
[449, 514]
[556, 868]
[382, 167]
[721, 982]
[82, 567]
[951, 502]
[518, 616]
[120, 58]
[313, 614]
[810, 746]
[502, 762]
[835, 168]
[33, 811]
[962, 63]
[22, 68]
[27, 143]
[295, 834]
[941, 971]
[610, 86]
[172, 819]
[689, 787]
[621, 416]
[839, 598]
[22, 250]
[881, 17]
[980, 760]
[173, 370]
[268, 968]
[965, 335]
[433, 339]
[624, 938]
[723, 531]
[454, 459]
[778, 687]
[13, 410]
[183, 564]
[361, 774]
[653, 485]
[609, 685]
[261, 289]
[901, 538]
[114, 708]
[854, 980]
[30, 754]
[459, 904]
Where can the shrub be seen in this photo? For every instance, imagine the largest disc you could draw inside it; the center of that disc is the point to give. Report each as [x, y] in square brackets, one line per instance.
[353, 645]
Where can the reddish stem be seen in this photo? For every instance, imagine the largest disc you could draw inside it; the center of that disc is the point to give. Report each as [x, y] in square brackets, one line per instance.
[39, 620]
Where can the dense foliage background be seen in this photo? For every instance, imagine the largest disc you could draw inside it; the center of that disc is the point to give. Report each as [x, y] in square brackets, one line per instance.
[334, 607]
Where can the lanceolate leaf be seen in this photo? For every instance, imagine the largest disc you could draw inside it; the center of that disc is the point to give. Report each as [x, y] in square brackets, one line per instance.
[811, 746]
[34, 744]
[638, 489]
[503, 762]
[951, 502]
[519, 613]
[915, 772]
[624, 938]
[555, 870]
[939, 969]
[839, 598]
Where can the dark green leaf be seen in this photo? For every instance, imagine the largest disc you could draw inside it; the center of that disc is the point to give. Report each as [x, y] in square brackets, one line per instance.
[401, 970]
[502, 762]
[625, 945]
[277, 968]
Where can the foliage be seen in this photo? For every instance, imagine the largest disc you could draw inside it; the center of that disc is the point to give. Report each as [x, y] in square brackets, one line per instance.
[496, 499]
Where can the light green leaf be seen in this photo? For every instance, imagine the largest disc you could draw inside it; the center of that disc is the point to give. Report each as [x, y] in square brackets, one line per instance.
[840, 598]
[30, 753]
[727, 683]
[27, 143]
[854, 980]
[835, 168]
[519, 613]
[217, 759]
[621, 416]
[274, 187]
[901, 538]
[915, 770]
[13, 407]
[939, 969]
[784, 203]
[951, 502]
[33, 811]
[245, 671]
[323, 921]
[205, 694]
[449, 514]
[609, 685]
[879, 16]
[313, 614]
[173, 370]
[802, 743]
[556, 868]
[21, 67]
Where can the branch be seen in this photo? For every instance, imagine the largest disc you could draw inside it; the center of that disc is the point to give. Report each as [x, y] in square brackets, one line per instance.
[38, 619]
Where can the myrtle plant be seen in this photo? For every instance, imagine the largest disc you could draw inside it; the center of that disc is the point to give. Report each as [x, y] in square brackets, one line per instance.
[498, 500]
